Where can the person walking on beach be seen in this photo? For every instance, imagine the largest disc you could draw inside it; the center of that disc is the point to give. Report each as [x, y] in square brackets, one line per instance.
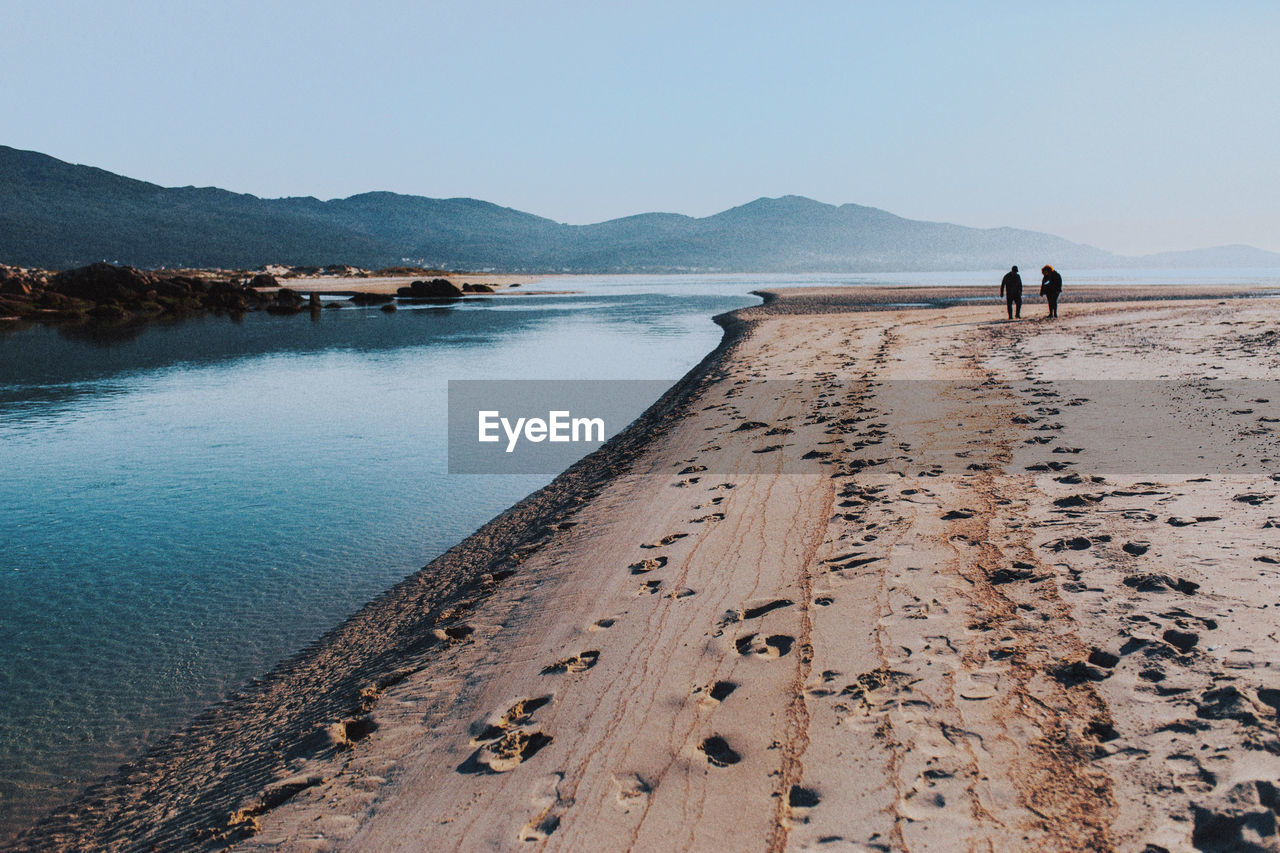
[1011, 290]
[1051, 288]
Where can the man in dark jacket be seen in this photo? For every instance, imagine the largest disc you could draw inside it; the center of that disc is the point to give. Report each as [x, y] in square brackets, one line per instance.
[1051, 288]
[1011, 290]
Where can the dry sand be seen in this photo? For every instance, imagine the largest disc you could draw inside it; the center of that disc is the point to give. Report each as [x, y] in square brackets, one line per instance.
[797, 634]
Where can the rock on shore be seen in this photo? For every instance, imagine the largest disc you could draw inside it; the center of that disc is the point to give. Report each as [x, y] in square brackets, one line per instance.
[436, 288]
[108, 292]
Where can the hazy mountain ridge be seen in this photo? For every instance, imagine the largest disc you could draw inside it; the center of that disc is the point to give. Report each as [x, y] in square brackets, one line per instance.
[57, 215]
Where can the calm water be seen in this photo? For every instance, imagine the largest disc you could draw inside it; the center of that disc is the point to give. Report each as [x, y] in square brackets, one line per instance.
[184, 505]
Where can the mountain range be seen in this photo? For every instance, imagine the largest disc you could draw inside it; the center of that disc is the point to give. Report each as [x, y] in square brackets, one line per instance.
[58, 215]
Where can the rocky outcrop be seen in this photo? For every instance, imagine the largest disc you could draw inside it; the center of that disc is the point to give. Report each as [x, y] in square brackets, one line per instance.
[284, 301]
[436, 288]
[112, 293]
[103, 283]
[107, 292]
[371, 299]
[15, 281]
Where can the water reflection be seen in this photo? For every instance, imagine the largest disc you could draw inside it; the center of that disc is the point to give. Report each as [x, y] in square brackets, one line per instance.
[184, 503]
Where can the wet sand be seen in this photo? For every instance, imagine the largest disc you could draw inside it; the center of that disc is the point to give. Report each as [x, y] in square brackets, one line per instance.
[758, 620]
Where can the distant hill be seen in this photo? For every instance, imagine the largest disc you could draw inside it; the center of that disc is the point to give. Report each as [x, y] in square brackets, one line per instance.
[58, 215]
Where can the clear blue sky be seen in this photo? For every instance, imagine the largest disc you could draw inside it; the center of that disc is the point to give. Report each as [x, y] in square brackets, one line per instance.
[1137, 126]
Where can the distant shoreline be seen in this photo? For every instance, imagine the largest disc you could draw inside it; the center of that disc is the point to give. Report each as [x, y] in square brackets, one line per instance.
[107, 294]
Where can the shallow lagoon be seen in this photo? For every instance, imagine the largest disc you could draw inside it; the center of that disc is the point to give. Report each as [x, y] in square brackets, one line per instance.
[184, 505]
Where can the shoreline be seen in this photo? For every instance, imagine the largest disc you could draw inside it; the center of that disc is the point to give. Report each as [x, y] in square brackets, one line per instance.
[343, 665]
[248, 767]
[107, 295]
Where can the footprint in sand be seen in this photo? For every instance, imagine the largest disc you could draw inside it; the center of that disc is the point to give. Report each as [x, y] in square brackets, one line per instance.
[1183, 641]
[1175, 521]
[1189, 774]
[602, 624]
[1020, 572]
[519, 714]
[345, 734]
[1077, 543]
[453, 634]
[692, 469]
[823, 687]
[1152, 582]
[769, 648]
[852, 560]
[977, 686]
[801, 801]
[633, 791]
[1049, 466]
[648, 565]
[714, 694]
[715, 516]
[1081, 500]
[665, 540]
[580, 662]
[755, 611]
[244, 821]
[1103, 658]
[507, 753]
[1103, 730]
[1075, 672]
[551, 805]
[751, 610]
[718, 752]
[650, 588]
[682, 592]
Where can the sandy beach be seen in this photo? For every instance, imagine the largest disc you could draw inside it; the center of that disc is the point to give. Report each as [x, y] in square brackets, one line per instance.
[788, 610]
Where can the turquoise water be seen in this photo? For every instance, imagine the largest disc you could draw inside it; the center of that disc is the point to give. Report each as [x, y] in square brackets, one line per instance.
[183, 505]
